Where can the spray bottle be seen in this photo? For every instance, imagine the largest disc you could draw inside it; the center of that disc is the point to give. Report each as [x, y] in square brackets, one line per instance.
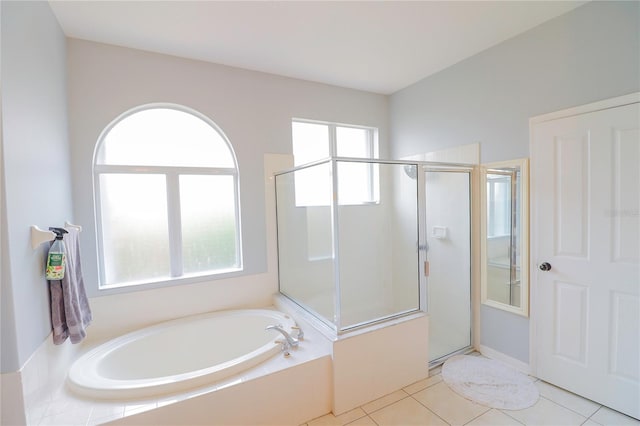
[56, 257]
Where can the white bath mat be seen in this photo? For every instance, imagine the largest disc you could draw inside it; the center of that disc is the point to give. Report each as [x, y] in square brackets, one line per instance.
[489, 382]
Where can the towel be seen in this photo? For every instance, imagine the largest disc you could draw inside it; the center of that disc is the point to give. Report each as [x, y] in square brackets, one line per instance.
[70, 311]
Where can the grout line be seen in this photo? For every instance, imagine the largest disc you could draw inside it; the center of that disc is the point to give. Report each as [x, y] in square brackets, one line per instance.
[434, 413]
[571, 393]
[371, 418]
[594, 413]
[404, 397]
[357, 418]
[574, 411]
[590, 419]
[479, 415]
[506, 412]
[426, 387]
[385, 406]
[567, 408]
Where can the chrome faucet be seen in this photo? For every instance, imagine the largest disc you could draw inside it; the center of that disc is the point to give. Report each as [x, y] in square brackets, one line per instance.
[300, 335]
[289, 341]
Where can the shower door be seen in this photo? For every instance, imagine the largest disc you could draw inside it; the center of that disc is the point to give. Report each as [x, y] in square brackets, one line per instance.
[448, 254]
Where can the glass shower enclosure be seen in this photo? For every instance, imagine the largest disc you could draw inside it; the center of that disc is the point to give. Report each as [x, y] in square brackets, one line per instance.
[349, 237]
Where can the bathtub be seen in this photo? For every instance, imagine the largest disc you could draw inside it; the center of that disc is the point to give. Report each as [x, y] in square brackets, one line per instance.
[178, 355]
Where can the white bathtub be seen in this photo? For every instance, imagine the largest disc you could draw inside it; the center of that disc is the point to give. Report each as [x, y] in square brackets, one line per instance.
[178, 355]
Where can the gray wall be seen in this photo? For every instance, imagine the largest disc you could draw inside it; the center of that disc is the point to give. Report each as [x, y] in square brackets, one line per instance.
[36, 166]
[253, 109]
[589, 54]
[44, 150]
[586, 55]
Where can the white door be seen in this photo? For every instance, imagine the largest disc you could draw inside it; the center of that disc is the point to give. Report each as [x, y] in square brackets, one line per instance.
[586, 229]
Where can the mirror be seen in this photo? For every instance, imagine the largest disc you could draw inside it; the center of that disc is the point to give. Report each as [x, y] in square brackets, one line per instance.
[505, 235]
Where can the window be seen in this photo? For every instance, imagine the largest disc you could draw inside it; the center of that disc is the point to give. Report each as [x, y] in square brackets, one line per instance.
[166, 198]
[500, 185]
[357, 182]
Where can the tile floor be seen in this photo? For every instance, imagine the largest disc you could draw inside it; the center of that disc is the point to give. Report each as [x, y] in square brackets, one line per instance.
[431, 402]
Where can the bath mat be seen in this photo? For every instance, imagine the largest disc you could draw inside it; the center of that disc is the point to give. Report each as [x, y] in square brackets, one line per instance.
[489, 382]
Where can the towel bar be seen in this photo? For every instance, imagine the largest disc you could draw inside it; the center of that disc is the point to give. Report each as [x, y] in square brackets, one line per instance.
[39, 236]
[71, 225]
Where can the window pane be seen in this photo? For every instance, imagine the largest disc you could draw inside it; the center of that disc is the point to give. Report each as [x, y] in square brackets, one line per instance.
[164, 137]
[313, 185]
[352, 142]
[310, 142]
[357, 183]
[498, 205]
[354, 179]
[354, 183]
[134, 227]
[208, 223]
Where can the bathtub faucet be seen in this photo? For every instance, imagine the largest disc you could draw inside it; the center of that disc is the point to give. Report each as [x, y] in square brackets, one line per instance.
[300, 335]
[289, 341]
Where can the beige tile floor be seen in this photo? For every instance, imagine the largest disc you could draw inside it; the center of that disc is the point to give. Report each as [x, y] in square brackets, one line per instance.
[431, 402]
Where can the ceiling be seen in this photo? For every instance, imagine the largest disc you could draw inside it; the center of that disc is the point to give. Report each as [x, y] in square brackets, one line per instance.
[377, 46]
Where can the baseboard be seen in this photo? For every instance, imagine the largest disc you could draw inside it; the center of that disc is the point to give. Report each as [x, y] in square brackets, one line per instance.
[499, 356]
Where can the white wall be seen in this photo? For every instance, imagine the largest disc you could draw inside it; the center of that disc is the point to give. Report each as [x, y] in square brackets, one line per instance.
[589, 54]
[253, 109]
[36, 168]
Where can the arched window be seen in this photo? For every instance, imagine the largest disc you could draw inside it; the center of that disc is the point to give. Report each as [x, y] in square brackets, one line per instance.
[166, 197]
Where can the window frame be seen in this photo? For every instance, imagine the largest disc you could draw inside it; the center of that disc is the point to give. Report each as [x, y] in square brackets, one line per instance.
[372, 135]
[174, 221]
[372, 153]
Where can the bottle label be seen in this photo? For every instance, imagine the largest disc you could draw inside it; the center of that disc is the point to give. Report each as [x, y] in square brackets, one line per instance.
[55, 266]
[55, 259]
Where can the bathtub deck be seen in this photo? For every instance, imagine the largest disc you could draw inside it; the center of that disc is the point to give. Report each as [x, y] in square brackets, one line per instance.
[66, 408]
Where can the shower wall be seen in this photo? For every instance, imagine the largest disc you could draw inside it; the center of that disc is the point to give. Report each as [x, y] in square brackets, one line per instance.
[405, 239]
[305, 250]
[361, 267]
[372, 279]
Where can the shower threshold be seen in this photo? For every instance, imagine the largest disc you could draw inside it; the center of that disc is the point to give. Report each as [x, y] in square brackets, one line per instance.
[441, 360]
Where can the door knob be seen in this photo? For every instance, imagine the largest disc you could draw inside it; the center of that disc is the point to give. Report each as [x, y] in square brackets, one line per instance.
[545, 266]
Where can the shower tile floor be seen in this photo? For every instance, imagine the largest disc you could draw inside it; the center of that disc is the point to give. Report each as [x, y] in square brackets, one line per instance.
[431, 402]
